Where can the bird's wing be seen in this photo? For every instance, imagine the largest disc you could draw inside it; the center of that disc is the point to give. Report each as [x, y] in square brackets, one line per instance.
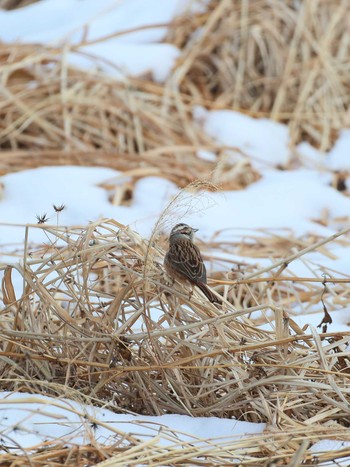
[186, 258]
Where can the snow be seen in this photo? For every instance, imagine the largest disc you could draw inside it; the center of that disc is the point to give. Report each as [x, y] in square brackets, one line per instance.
[77, 188]
[129, 59]
[33, 419]
[264, 141]
[327, 445]
[340, 320]
[339, 155]
[206, 155]
[52, 21]
[288, 199]
[281, 201]
[310, 156]
[337, 159]
[88, 29]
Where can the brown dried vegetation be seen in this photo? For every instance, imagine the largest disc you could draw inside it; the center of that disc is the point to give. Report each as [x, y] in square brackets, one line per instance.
[97, 320]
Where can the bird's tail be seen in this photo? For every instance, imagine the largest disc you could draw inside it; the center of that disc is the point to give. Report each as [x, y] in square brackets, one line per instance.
[208, 293]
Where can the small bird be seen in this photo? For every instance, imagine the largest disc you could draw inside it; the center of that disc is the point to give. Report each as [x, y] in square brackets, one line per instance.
[184, 261]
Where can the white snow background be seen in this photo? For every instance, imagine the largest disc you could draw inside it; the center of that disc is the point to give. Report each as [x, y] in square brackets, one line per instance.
[289, 199]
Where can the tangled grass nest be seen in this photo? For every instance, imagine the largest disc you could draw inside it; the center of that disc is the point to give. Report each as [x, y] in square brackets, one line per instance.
[99, 322]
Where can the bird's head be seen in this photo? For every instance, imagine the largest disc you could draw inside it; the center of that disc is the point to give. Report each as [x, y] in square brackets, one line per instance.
[183, 229]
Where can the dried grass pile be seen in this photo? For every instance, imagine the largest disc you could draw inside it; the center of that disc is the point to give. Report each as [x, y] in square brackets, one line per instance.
[288, 61]
[54, 114]
[98, 322]
[284, 60]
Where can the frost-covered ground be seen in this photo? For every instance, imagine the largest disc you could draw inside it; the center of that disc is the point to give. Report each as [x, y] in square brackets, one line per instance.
[281, 199]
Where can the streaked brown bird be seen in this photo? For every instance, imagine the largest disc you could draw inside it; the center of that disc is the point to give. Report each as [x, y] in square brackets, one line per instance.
[184, 261]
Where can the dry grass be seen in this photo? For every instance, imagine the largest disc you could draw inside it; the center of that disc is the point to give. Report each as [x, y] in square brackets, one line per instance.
[98, 321]
[53, 114]
[288, 61]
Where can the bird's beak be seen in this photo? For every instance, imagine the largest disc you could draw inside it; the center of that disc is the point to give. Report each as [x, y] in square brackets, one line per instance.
[195, 230]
